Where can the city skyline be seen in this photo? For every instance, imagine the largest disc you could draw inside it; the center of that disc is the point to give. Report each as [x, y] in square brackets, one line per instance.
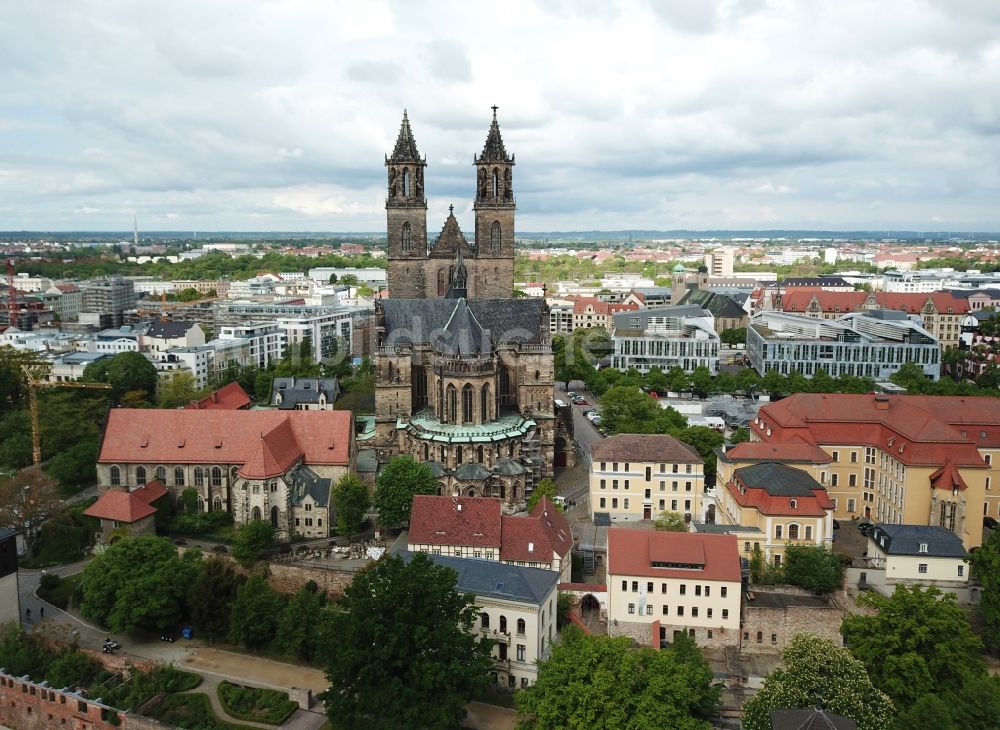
[623, 116]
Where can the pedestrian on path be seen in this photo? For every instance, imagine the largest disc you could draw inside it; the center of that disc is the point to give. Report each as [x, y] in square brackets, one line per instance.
[27, 613]
[41, 612]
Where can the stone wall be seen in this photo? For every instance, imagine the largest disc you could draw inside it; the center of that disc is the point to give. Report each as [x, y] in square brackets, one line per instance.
[29, 706]
[777, 626]
[647, 634]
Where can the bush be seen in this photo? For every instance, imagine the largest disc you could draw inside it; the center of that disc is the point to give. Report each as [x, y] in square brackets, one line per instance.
[49, 582]
[143, 686]
[72, 669]
[256, 705]
[199, 523]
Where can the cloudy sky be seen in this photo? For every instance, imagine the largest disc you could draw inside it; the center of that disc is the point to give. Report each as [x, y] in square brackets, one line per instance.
[276, 115]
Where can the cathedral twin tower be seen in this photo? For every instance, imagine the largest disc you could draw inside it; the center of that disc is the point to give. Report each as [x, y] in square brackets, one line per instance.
[419, 271]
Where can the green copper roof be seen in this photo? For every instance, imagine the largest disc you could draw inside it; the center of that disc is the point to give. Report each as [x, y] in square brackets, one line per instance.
[426, 426]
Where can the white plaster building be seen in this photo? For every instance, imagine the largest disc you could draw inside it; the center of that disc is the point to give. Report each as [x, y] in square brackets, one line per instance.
[665, 337]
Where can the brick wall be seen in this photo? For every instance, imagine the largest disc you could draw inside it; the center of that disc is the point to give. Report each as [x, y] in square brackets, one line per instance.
[781, 624]
[29, 706]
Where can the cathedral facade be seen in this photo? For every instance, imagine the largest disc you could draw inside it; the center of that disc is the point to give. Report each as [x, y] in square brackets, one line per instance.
[464, 372]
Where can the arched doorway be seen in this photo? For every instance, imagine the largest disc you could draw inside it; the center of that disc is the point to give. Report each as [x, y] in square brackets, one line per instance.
[255, 514]
[274, 516]
[589, 606]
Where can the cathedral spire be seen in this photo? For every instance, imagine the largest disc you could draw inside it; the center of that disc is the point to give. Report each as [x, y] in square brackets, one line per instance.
[406, 147]
[493, 150]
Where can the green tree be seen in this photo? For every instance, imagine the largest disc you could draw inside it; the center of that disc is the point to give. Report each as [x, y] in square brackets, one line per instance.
[702, 382]
[178, 391]
[930, 712]
[757, 564]
[601, 682]
[813, 567]
[544, 488]
[211, 595]
[77, 465]
[125, 372]
[350, 497]
[27, 500]
[72, 669]
[13, 391]
[262, 386]
[253, 618]
[139, 582]
[189, 498]
[817, 671]
[402, 478]
[298, 630]
[671, 522]
[918, 641]
[251, 540]
[405, 653]
[626, 409]
[986, 569]
[734, 336]
[705, 441]
[740, 435]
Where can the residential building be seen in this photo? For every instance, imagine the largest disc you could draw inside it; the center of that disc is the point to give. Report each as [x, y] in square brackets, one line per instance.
[719, 261]
[593, 312]
[121, 339]
[161, 336]
[265, 464]
[474, 527]
[198, 361]
[66, 301]
[662, 584]
[637, 476]
[727, 311]
[785, 503]
[914, 555]
[560, 316]
[653, 296]
[329, 334]
[109, 297]
[666, 337]
[70, 367]
[267, 340]
[304, 394]
[940, 313]
[230, 397]
[874, 344]
[900, 459]
[517, 610]
[229, 353]
[126, 513]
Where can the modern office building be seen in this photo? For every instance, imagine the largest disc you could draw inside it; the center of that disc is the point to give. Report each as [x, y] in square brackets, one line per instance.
[666, 337]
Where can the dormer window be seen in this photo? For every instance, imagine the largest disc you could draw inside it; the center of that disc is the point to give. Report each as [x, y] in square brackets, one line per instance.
[793, 503]
[923, 547]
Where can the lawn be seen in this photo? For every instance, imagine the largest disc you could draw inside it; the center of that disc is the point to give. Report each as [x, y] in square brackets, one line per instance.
[267, 706]
[190, 711]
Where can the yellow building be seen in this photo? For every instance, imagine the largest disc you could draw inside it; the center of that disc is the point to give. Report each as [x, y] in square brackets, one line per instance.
[898, 459]
[637, 476]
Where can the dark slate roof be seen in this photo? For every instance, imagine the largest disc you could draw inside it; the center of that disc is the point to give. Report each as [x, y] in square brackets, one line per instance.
[168, 330]
[639, 318]
[809, 720]
[426, 321]
[6, 533]
[907, 539]
[497, 580]
[509, 468]
[718, 304]
[437, 468]
[471, 471]
[304, 480]
[294, 391]
[451, 237]
[493, 150]
[818, 282]
[406, 147]
[366, 461]
[778, 480]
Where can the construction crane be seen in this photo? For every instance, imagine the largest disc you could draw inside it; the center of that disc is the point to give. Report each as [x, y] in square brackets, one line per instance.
[34, 385]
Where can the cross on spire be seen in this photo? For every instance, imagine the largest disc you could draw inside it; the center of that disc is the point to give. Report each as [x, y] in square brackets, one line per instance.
[451, 210]
[494, 108]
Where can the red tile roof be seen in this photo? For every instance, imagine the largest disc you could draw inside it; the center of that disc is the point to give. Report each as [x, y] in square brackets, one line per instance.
[632, 552]
[229, 397]
[538, 537]
[146, 436]
[273, 454]
[799, 299]
[649, 448]
[150, 492]
[816, 505]
[599, 306]
[795, 451]
[457, 521]
[924, 430]
[119, 505]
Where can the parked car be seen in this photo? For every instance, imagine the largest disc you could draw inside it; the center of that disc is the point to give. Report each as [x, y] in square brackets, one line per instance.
[582, 402]
[990, 522]
[572, 394]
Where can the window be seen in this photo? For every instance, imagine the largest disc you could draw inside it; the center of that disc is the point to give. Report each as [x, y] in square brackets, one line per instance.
[140, 475]
[961, 570]
[604, 484]
[216, 476]
[809, 532]
[614, 503]
[520, 627]
[199, 476]
[709, 612]
[835, 455]
[854, 457]
[697, 590]
[495, 237]
[407, 238]
[709, 633]
[922, 568]
[649, 587]
[680, 610]
[666, 610]
[723, 591]
[116, 476]
[694, 612]
[777, 560]
[484, 620]
[725, 614]
[774, 638]
[793, 532]
[503, 623]
[852, 480]
[624, 585]
[179, 476]
[777, 532]
[635, 586]
[649, 610]
[850, 505]
[683, 589]
[834, 478]
[614, 484]
[308, 504]
[520, 652]
[760, 637]
[603, 502]
[631, 608]
[626, 503]
[663, 588]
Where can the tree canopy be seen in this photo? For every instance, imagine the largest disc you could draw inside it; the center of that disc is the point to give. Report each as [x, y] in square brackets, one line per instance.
[27, 500]
[178, 390]
[405, 653]
[211, 594]
[126, 373]
[253, 616]
[815, 671]
[350, 497]
[671, 522]
[918, 641]
[601, 682]
[251, 540]
[544, 488]
[402, 478]
[139, 582]
[986, 569]
[813, 567]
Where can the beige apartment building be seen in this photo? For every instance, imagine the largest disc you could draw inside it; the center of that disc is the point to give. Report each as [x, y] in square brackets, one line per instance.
[898, 459]
[637, 476]
[661, 584]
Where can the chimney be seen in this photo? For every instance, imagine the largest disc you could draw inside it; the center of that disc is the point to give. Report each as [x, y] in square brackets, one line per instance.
[459, 506]
[881, 402]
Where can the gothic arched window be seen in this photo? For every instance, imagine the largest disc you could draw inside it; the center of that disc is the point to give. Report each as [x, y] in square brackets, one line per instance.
[484, 403]
[199, 476]
[216, 476]
[452, 403]
[407, 238]
[217, 504]
[495, 237]
[140, 475]
[179, 476]
[467, 400]
[496, 183]
[161, 475]
[116, 476]
[406, 182]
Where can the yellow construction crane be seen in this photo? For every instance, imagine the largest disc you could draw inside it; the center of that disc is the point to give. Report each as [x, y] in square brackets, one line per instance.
[34, 386]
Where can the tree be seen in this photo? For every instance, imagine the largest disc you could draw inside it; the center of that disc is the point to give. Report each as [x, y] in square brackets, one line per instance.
[72, 669]
[671, 522]
[813, 567]
[27, 500]
[77, 465]
[211, 596]
[702, 382]
[252, 539]
[740, 435]
[253, 618]
[986, 569]
[544, 488]
[734, 336]
[601, 682]
[178, 391]
[705, 441]
[918, 641]
[298, 630]
[930, 712]
[13, 391]
[139, 582]
[350, 497]
[402, 478]
[406, 653]
[125, 372]
[626, 409]
[817, 671]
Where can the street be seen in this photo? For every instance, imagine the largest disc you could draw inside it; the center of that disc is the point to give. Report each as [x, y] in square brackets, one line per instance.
[574, 483]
